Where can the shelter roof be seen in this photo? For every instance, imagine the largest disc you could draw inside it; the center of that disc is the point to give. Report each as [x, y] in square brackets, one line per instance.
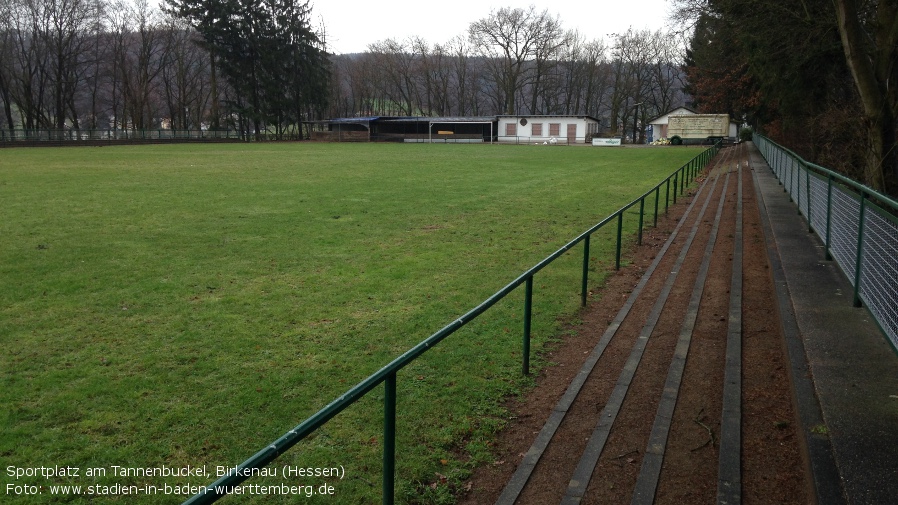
[364, 119]
[579, 116]
[683, 108]
[445, 119]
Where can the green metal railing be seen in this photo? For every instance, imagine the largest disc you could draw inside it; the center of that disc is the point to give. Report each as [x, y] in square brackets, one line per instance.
[857, 225]
[673, 185]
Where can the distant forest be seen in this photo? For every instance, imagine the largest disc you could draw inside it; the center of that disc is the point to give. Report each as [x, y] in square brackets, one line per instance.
[258, 65]
[818, 75]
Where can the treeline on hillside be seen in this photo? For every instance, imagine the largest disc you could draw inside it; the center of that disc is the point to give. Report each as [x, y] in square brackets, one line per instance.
[818, 75]
[515, 61]
[95, 64]
[259, 66]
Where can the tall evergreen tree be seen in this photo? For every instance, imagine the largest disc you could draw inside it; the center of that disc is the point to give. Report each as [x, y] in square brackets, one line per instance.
[268, 53]
[804, 68]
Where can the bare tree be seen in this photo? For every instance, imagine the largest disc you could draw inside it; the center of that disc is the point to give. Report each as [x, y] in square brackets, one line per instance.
[543, 77]
[667, 76]
[396, 64]
[633, 80]
[341, 103]
[361, 77]
[6, 62]
[572, 73]
[463, 76]
[434, 73]
[507, 39]
[597, 78]
[94, 82]
[185, 76]
[67, 37]
[30, 66]
[138, 56]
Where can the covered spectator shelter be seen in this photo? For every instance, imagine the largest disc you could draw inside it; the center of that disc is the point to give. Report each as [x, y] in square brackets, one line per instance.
[469, 129]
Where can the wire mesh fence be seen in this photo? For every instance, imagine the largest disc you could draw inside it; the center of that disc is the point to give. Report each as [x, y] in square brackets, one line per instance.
[858, 226]
[110, 134]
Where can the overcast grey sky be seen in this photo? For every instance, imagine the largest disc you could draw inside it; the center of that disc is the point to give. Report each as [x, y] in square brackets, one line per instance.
[353, 24]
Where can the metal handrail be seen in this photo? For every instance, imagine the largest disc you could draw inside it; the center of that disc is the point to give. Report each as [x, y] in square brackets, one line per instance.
[387, 374]
[855, 263]
[885, 199]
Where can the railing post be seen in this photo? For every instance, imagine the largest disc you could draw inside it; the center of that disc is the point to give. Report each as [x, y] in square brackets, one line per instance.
[389, 466]
[666, 195]
[793, 194]
[583, 289]
[860, 250]
[657, 197]
[807, 196]
[776, 165]
[641, 213]
[675, 187]
[528, 305]
[829, 215]
[620, 229]
[683, 181]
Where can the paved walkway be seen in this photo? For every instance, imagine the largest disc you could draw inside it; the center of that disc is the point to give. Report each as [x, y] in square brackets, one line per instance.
[853, 369]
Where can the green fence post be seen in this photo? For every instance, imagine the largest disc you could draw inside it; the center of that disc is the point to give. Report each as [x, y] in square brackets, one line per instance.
[860, 250]
[829, 215]
[583, 288]
[783, 169]
[641, 212]
[792, 193]
[675, 181]
[657, 197]
[666, 195]
[528, 306]
[807, 196]
[389, 439]
[620, 229]
[683, 181]
[776, 164]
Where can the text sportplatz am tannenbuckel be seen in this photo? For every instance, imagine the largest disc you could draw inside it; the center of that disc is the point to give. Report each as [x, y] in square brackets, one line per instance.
[285, 471]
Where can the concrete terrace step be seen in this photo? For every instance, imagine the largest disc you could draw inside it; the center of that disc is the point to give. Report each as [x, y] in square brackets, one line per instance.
[843, 373]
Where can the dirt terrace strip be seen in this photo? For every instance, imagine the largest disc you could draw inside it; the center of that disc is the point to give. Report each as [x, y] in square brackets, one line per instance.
[669, 342]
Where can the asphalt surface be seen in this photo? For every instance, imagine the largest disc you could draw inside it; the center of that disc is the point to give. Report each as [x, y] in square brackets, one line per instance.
[844, 370]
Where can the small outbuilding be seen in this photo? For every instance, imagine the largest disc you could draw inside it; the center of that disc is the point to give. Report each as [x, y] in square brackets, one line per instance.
[659, 124]
[538, 129]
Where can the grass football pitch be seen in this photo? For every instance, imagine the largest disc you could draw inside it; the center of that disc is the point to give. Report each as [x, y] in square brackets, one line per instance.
[165, 307]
